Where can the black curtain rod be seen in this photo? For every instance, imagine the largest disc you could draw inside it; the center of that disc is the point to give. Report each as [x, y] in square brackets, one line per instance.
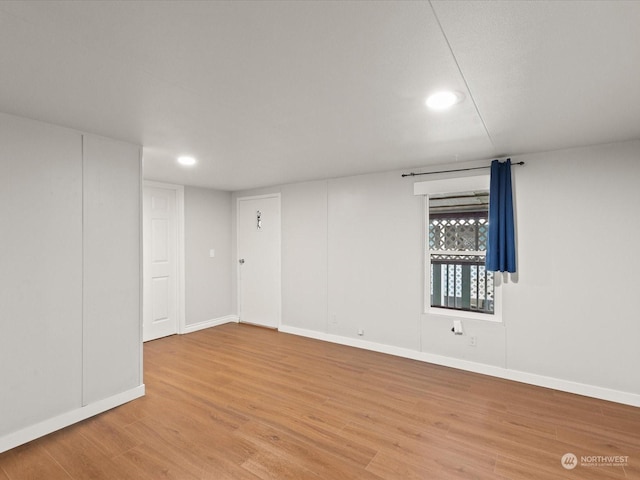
[451, 171]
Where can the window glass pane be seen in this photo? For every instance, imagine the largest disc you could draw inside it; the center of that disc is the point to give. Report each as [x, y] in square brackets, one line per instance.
[483, 233]
[459, 280]
[458, 234]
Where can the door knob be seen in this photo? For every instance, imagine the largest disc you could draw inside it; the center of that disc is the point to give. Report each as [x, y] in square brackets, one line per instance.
[241, 261]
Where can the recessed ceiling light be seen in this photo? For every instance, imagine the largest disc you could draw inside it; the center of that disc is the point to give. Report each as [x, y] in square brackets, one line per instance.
[187, 161]
[443, 100]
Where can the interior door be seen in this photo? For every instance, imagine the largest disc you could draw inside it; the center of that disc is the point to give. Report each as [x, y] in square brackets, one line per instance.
[160, 266]
[259, 260]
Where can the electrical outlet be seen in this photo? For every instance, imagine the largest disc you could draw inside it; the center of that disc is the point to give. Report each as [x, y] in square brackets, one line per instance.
[473, 341]
[334, 319]
[360, 332]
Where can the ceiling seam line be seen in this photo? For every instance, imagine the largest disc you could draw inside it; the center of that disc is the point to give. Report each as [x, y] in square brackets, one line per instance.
[466, 84]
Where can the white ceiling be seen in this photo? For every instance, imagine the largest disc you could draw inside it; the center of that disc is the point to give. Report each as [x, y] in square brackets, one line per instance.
[264, 93]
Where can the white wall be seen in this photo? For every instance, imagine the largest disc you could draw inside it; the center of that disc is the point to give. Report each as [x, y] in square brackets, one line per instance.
[70, 342]
[572, 314]
[304, 259]
[111, 268]
[374, 259]
[569, 318]
[41, 272]
[207, 280]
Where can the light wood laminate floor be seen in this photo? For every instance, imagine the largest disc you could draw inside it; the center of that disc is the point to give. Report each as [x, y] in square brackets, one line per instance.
[240, 402]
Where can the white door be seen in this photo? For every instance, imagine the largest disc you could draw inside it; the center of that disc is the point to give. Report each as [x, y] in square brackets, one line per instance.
[259, 260]
[160, 272]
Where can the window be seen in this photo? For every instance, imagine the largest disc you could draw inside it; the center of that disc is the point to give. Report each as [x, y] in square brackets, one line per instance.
[457, 244]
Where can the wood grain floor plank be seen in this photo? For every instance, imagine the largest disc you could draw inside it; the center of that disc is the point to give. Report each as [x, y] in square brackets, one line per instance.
[519, 470]
[108, 436]
[83, 459]
[147, 463]
[128, 413]
[32, 462]
[225, 469]
[299, 450]
[337, 444]
[393, 467]
[267, 466]
[196, 443]
[598, 442]
[244, 403]
[632, 469]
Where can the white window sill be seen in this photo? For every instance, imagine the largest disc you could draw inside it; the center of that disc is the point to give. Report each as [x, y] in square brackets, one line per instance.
[446, 312]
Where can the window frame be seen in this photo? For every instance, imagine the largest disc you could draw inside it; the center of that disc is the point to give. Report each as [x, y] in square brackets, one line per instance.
[452, 186]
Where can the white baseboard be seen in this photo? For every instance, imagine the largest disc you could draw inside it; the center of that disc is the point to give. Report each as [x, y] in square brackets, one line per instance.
[494, 371]
[50, 425]
[210, 323]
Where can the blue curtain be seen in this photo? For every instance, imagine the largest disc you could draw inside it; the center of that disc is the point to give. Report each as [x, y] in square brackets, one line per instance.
[501, 249]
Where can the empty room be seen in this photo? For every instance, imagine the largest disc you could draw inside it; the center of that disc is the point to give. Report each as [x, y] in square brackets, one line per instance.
[375, 240]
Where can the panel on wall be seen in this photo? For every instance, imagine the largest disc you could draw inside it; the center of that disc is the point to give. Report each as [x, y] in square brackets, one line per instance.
[111, 297]
[374, 258]
[304, 259]
[41, 272]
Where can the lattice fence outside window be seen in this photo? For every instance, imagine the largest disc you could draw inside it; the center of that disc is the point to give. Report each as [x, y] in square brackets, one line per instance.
[457, 249]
